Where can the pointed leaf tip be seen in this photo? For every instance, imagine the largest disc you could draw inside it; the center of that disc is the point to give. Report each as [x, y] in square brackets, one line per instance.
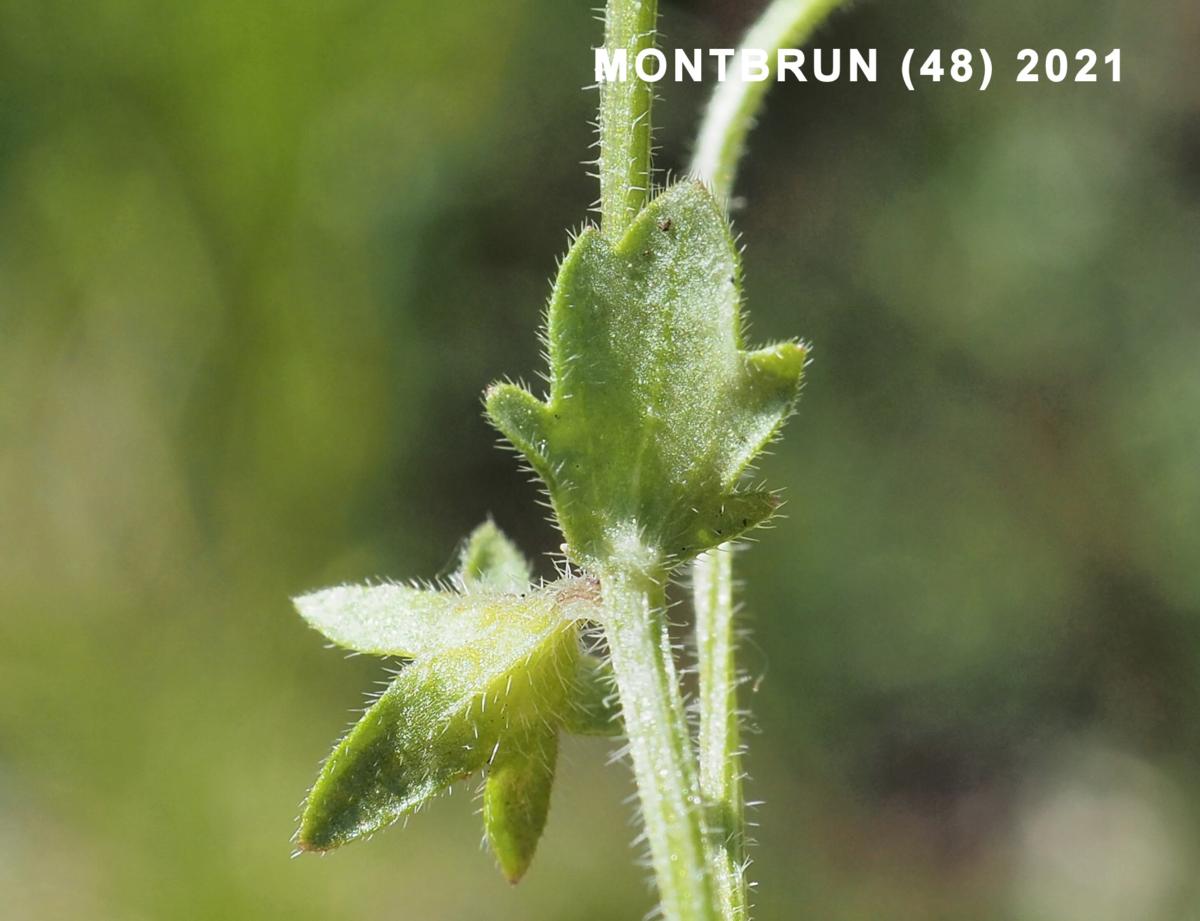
[520, 417]
[516, 799]
[783, 362]
[423, 733]
[385, 620]
[489, 560]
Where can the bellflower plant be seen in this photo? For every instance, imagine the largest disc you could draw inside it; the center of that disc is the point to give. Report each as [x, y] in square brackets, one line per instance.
[655, 411]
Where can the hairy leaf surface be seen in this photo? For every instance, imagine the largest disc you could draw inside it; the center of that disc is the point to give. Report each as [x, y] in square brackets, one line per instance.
[516, 797]
[594, 708]
[444, 715]
[497, 672]
[491, 560]
[393, 620]
[655, 408]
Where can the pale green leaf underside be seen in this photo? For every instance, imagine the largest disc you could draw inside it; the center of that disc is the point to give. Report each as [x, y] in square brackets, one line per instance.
[402, 620]
[395, 620]
[655, 410]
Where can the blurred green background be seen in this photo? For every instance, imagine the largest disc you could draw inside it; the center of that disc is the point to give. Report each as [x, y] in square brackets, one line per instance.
[258, 260]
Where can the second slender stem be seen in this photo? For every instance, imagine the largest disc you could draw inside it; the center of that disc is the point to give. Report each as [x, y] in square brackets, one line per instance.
[722, 139]
[720, 747]
[736, 103]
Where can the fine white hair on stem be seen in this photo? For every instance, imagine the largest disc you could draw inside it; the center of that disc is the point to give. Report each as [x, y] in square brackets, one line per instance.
[721, 141]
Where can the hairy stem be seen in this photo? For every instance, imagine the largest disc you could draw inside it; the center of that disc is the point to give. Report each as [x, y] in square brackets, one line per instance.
[634, 599]
[656, 725]
[624, 164]
[720, 748]
[734, 106]
[719, 147]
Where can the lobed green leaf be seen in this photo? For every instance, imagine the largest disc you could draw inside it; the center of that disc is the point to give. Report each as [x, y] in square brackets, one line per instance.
[497, 672]
[444, 715]
[655, 408]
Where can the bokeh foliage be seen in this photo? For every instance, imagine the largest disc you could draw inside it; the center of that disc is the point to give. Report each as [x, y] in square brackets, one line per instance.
[257, 261]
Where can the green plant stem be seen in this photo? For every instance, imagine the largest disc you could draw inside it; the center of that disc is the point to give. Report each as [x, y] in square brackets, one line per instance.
[734, 105]
[720, 748]
[659, 744]
[625, 133]
[634, 598]
[719, 147]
